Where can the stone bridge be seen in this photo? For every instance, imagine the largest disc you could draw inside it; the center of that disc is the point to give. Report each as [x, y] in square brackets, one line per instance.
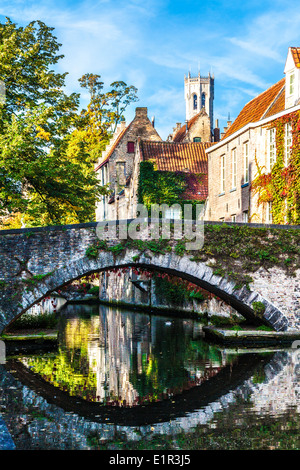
[37, 261]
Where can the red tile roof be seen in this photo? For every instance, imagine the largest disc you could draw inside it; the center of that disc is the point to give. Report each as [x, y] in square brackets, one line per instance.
[264, 105]
[296, 56]
[189, 158]
[180, 134]
[277, 105]
[173, 156]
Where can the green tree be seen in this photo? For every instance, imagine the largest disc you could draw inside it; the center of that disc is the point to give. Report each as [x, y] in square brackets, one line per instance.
[46, 185]
[96, 124]
[48, 147]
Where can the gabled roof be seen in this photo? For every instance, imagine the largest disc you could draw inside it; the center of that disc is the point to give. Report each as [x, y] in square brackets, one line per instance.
[296, 56]
[173, 156]
[264, 105]
[181, 133]
[112, 149]
[188, 157]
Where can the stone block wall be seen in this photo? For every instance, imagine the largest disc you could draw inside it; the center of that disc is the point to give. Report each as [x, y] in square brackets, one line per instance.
[282, 290]
[36, 262]
[138, 290]
[121, 164]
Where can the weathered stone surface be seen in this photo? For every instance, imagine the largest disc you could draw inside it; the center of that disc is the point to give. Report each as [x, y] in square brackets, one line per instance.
[54, 256]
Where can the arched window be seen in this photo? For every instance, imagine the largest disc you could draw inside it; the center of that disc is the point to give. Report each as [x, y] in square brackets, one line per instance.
[195, 101]
[203, 100]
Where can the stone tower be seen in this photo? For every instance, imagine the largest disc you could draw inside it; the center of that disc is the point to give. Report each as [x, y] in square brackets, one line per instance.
[198, 94]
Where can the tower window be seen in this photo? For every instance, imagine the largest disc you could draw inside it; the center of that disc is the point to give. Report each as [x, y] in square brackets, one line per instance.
[130, 147]
[195, 101]
[203, 100]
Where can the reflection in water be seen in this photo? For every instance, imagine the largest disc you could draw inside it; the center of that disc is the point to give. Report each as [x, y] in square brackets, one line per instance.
[250, 402]
[123, 358]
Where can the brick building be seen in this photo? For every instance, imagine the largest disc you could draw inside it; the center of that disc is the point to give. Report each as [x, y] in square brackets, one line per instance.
[115, 167]
[196, 129]
[188, 158]
[184, 151]
[249, 143]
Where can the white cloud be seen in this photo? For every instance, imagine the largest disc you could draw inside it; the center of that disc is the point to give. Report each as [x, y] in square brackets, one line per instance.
[148, 45]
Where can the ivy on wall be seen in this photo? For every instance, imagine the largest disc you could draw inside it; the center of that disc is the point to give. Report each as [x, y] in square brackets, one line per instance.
[281, 185]
[177, 291]
[162, 187]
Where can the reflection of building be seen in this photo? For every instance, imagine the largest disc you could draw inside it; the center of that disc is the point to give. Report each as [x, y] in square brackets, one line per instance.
[120, 335]
[130, 286]
[138, 357]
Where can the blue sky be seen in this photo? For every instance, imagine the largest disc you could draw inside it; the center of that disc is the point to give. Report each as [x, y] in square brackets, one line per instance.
[152, 43]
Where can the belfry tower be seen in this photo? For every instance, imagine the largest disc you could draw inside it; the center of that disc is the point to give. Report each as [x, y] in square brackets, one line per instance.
[199, 94]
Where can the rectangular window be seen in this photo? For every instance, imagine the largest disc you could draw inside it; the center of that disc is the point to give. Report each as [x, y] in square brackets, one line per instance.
[271, 148]
[130, 147]
[246, 162]
[173, 213]
[233, 154]
[269, 216]
[292, 83]
[233, 218]
[121, 172]
[223, 174]
[288, 142]
[245, 217]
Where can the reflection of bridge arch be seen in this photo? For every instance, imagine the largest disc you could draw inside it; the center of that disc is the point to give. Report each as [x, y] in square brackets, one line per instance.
[36, 265]
[228, 379]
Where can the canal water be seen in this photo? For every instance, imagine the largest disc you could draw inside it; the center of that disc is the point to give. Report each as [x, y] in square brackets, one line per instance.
[120, 379]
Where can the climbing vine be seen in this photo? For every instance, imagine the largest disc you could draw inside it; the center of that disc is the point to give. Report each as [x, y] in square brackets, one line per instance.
[281, 185]
[163, 187]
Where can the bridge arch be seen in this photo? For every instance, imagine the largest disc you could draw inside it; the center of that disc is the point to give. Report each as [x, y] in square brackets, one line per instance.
[197, 272]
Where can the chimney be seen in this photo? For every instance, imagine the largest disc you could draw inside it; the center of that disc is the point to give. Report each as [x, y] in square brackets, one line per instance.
[141, 112]
[217, 132]
[186, 126]
[153, 121]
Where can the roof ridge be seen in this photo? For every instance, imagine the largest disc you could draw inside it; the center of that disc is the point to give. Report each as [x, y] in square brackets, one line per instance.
[265, 91]
[274, 101]
[113, 147]
[164, 142]
[255, 109]
[189, 124]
